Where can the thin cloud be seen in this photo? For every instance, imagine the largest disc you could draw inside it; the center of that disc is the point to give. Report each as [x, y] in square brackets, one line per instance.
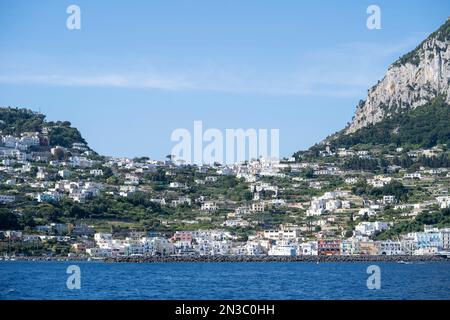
[345, 70]
[119, 81]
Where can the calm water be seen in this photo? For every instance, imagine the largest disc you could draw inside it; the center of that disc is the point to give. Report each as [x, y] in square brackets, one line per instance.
[47, 280]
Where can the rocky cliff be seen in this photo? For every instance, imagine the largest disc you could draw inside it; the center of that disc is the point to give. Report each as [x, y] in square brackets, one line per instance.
[410, 82]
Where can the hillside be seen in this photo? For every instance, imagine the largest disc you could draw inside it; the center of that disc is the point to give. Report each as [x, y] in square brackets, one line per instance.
[409, 107]
[422, 127]
[15, 121]
[410, 82]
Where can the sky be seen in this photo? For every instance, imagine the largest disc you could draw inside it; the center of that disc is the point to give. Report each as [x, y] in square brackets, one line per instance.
[137, 70]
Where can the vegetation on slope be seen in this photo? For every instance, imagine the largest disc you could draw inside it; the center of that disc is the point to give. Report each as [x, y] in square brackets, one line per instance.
[422, 127]
[439, 219]
[413, 57]
[15, 121]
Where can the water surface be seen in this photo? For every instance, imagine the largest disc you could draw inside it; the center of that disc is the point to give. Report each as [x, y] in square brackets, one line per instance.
[47, 280]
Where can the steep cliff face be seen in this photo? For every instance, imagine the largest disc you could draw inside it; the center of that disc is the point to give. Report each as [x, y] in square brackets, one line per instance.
[410, 82]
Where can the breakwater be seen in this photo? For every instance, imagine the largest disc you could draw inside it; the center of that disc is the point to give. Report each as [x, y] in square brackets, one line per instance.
[314, 259]
[238, 259]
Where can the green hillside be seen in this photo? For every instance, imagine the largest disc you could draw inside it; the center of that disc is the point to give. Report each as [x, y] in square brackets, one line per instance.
[422, 127]
[14, 121]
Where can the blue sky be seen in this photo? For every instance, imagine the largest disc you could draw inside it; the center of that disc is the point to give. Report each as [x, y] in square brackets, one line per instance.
[137, 70]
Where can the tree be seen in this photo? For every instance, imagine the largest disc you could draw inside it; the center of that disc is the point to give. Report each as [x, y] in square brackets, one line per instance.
[77, 212]
[112, 180]
[348, 233]
[59, 153]
[8, 220]
[248, 195]
[308, 173]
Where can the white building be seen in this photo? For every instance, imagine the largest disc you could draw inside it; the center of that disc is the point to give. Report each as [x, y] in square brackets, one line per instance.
[181, 200]
[317, 207]
[443, 201]
[160, 201]
[430, 238]
[333, 204]
[126, 191]
[80, 146]
[233, 223]
[209, 206]
[379, 181]
[157, 246]
[242, 210]
[254, 248]
[211, 179]
[96, 172]
[390, 248]
[351, 180]
[29, 141]
[388, 199]
[367, 211]
[258, 207]
[445, 238]
[131, 179]
[177, 185]
[308, 248]
[370, 228]
[283, 250]
[41, 174]
[9, 141]
[284, 234]
[415, 175]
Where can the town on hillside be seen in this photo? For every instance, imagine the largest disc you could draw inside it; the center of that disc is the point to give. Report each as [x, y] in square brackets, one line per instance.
[59, 198]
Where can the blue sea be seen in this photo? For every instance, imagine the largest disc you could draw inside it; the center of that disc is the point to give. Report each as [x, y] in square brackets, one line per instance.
[229, 281]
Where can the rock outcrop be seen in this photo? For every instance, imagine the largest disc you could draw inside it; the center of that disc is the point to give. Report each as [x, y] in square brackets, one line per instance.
[410, 82]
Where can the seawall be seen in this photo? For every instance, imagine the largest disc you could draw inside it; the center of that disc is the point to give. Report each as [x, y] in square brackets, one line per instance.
[314, 259]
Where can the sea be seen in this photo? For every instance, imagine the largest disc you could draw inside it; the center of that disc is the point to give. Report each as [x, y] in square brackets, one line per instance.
[33, 280]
